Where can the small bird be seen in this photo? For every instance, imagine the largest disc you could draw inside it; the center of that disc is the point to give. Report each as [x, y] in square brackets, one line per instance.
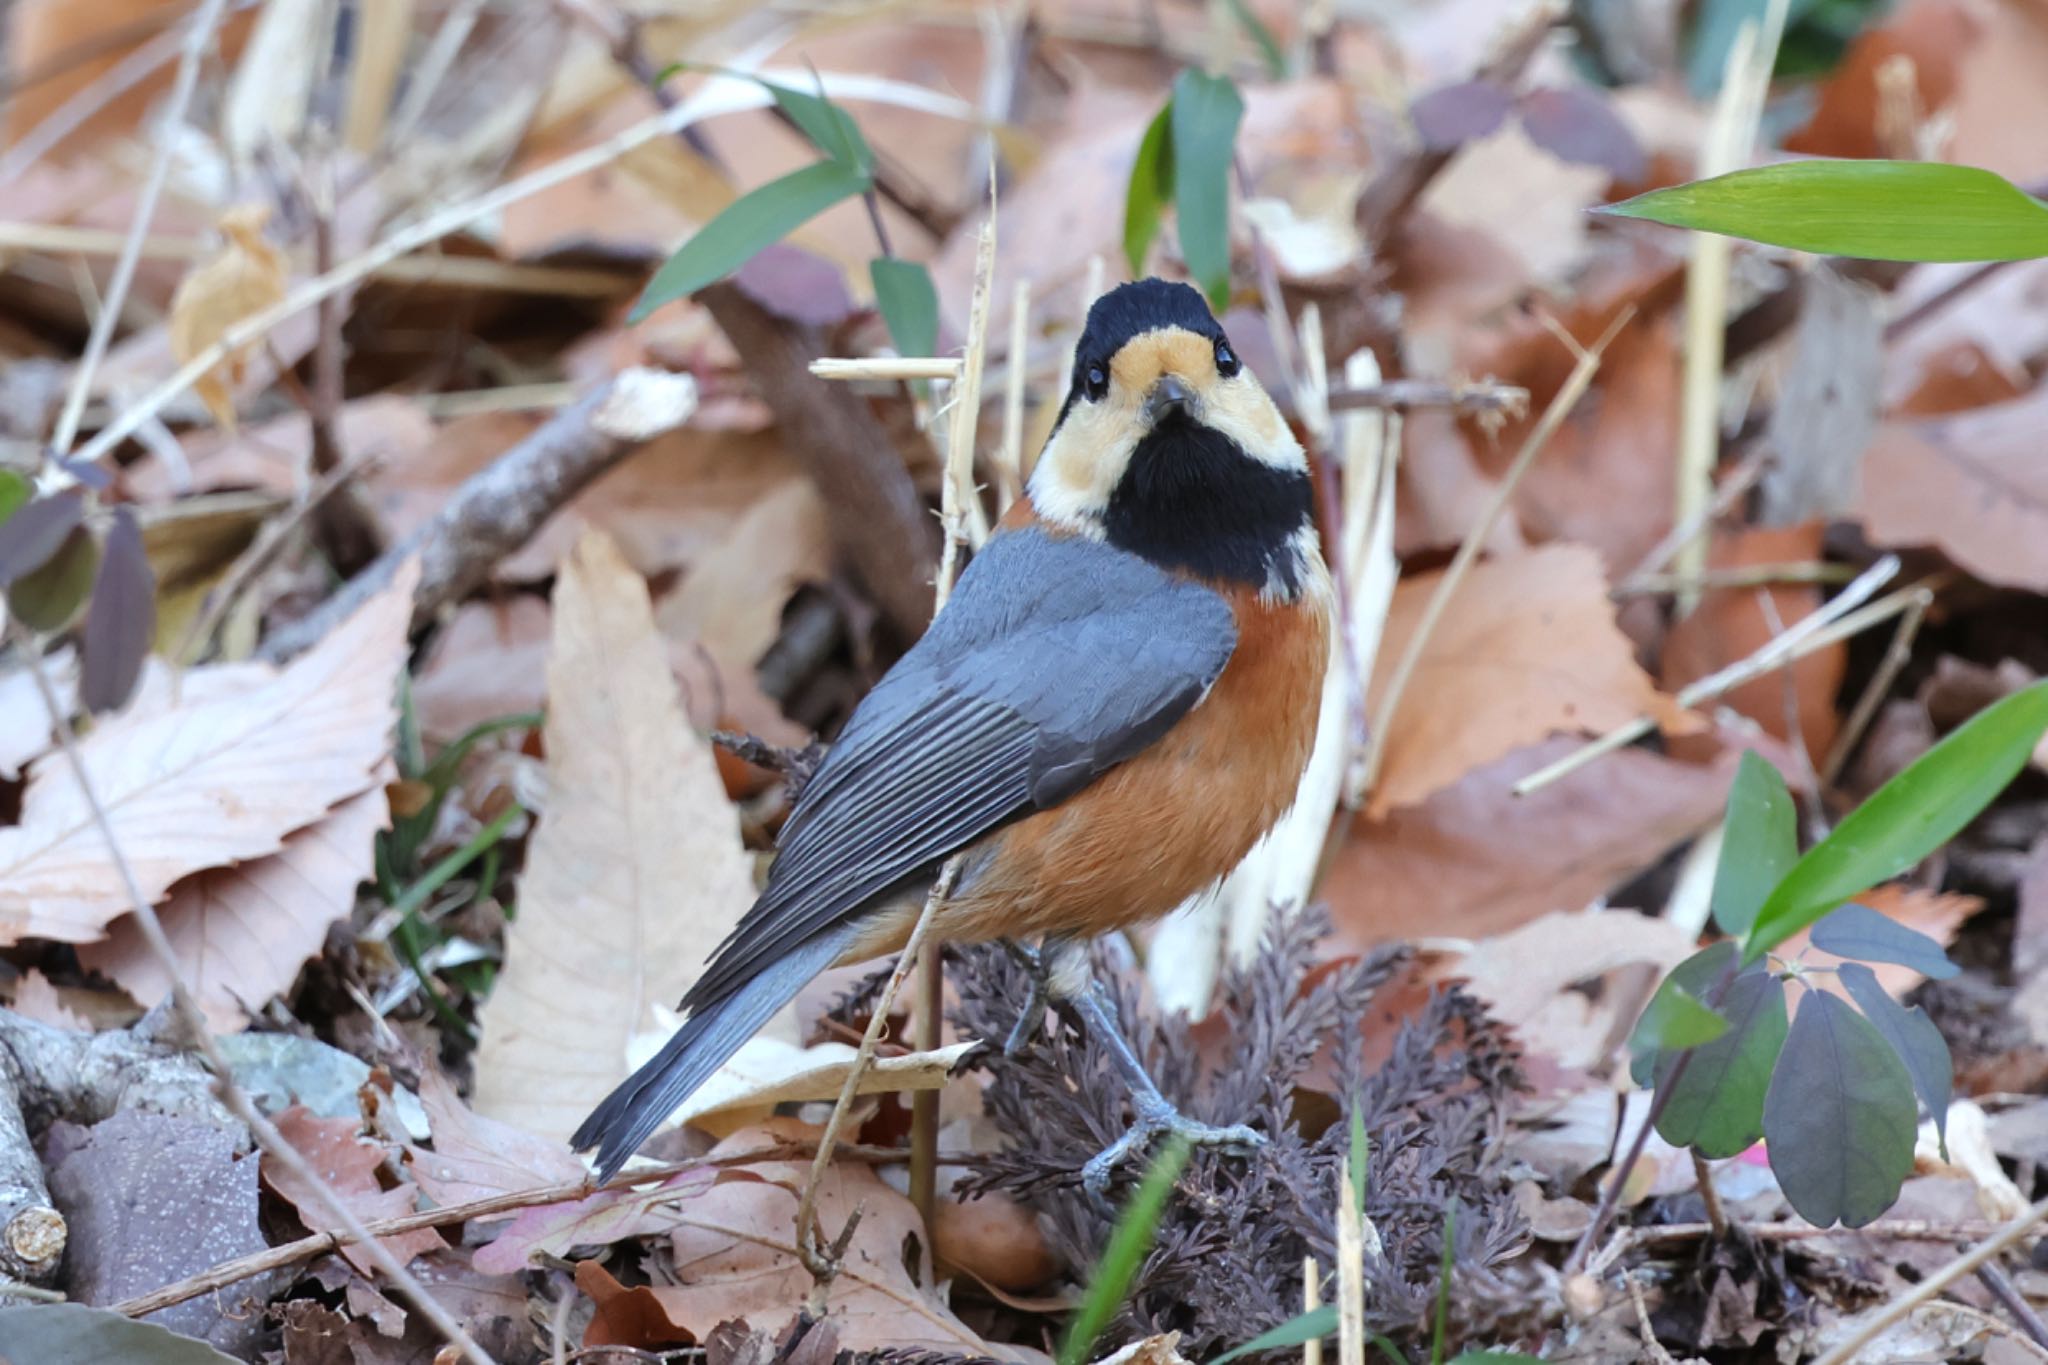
[1115, 705]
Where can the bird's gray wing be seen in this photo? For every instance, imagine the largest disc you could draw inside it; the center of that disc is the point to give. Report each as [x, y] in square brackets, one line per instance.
[1057, 658]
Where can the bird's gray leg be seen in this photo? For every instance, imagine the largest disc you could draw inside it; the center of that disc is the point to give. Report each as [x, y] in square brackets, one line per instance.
[1033, 1013]
[1154, 1114]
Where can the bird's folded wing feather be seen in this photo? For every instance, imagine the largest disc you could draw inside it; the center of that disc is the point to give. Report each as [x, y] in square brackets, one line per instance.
[1057, 658]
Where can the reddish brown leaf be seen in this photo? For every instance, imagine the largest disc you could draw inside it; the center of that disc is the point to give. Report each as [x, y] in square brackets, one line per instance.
[349, 1166]
[122, 623]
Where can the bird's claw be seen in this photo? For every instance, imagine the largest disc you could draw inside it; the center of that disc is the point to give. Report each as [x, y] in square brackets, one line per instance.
[1152, 1121]
[1032, 1016]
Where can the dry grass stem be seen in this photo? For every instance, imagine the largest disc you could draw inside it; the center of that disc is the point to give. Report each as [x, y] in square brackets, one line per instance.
[1747, 576]
[1009, 464]
[1485, 398]
[1350, 1271]
[1896, 656]
[886, 367]
[1311, 1300]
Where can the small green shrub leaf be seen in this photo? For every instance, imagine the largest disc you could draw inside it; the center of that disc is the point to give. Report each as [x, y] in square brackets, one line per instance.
[1313, 1325]
[1151, 186]
[1913, 1036]
[122, 623]
[830, 128]
[1673, 1020]
[1908, 817]
[1878, 210]
[1859, 932]
[1759, 844]
[909, 303]
[1128, 1243]
[33, 533]
[1839, 1122]
[1716, 1104]
[48, 597]
[755, 220]
[1206, 111]
[1696, 977]
[15, 489]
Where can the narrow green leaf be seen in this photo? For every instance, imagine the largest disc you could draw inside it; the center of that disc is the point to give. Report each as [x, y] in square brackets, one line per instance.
[1128, 1243]
[830, 128]
[1674, 1020]
[1151, 186]
[1759, 844]
[1914, 1037]
[1859, 932]
[755, 220]
[909, 303]
[47, 598]
[1697, 976]
[1839, 1122]
[1908, 817]
[1716, 1105]
[15, 489]
[1313, 1325]
[1206, 112]
[1878, 210]
[1255, 28]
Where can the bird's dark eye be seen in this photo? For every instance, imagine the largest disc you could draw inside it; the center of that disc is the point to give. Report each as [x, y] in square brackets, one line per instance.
[1226, 360]
[1097, 382]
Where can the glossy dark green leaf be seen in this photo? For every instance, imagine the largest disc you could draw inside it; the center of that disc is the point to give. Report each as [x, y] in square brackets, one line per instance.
[830, 128]
[1151, 186]
[1313, 1325]
[1716, 1104]
[34, 532]
[1759, 844]
[1907, 818]
[1877, 210]
[73, 1334]
[1129, 1242]
[748, 224]
[47, 598]
[1206, 113]
[15, 488]
[1839, 1122]
[122, 623]
[1913, 1036]
[1697, 976]
[1859, 932]
[1270, 55]
[909, 303]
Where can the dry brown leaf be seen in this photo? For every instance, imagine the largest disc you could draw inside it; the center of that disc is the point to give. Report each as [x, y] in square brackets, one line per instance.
[1731, 624]
[1973, 485]
[1934, 36]
[635, 873]
[209, 781]
[488, 661]
[1526, 648]
[1475, 860]
[247, 277]
[274, 456]
[474, 1157]
[2001, 102]
[36, 998]
[241, 933]
[735, 1258]
[732, 599]
[349, 1166]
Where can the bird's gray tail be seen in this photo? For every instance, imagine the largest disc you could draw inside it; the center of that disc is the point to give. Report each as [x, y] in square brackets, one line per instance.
[712, 1032]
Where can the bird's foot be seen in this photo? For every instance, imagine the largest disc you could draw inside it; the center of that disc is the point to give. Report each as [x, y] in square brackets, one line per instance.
[1156, 1117]
[1032, 1016]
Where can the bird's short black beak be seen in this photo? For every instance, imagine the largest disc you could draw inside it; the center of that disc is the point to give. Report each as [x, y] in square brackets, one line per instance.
[1170, 395]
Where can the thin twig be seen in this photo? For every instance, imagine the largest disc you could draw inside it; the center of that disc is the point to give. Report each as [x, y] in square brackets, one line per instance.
[1993, 1279]
[1484, 398]
[890, 367]
[1983, 1254]
[1747, 576]
[1652, 1348]
[196, 39]
[1567, 398]
[1896, 657]
[194, 1023]
[1739, 481]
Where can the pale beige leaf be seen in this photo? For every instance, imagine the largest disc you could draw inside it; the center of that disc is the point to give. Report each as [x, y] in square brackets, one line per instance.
[634, 875]
[766, 1072]
[474, 1157]
[247, 277]
[1526, 648]
[216, 777]
[25, 730]
[242, 933]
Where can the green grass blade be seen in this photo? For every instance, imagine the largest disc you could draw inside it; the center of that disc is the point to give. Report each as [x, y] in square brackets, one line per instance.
[1206, 112]
[1313, 1325]
[1128, 1244]
[754, 221]
[1878, 210]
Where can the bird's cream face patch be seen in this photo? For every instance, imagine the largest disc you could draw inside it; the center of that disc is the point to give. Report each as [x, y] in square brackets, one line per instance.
[1089, 451]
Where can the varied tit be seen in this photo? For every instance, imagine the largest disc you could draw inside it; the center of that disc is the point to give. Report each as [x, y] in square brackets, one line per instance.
[1115, 705]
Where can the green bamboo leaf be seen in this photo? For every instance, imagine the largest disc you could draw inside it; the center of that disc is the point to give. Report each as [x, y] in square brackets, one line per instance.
[1859, 932]
[830, 128]
[1255, 28]
[1759, 844]
[1878, 210]
[1914, 1037]
[909, 303]
[1151, 186]
[755, 220]
[1839, 1122]
[1313, 1325]
[1206, 111]
[1128, 1243]
[1716, 1105]
[1908, 817]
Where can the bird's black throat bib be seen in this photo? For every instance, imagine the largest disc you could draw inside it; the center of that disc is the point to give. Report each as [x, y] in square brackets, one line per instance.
[1192, 500]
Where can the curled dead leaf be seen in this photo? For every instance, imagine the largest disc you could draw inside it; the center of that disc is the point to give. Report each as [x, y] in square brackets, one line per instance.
[246, 277]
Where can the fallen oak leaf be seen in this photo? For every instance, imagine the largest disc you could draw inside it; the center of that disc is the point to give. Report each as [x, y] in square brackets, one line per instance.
[599, 1219]
[349, 1167]
[474, 1157]
[214, 778]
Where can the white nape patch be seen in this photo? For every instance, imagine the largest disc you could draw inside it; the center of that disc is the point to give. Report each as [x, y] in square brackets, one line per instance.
[1304, 555]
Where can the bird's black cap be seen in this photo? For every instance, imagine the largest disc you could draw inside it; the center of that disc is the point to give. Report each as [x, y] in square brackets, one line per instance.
[1142, 306]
